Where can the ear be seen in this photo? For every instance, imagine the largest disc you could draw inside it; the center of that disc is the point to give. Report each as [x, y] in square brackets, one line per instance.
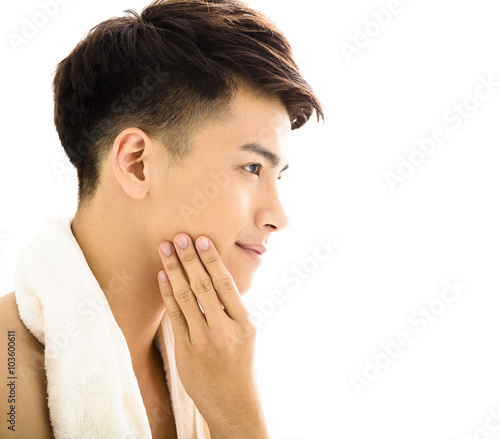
[130, 150]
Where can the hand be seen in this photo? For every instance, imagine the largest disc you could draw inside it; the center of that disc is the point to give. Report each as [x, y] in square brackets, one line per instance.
[214, 349]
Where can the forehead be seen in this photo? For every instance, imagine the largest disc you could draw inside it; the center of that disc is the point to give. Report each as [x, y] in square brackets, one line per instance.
[254, 119]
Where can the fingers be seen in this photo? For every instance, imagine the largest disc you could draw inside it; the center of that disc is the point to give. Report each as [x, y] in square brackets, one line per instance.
[177, 289]
[222, 280]
[209, 281]
[198, 286]
[175, 314]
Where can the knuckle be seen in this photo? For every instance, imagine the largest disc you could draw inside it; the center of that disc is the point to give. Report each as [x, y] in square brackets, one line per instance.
[224, 284]
[189, 258]
[167, 292]
[203, 285]
[211, 260]
[228, 340]
[172, 266]
[248, 327]
[185, 294]
[176, 314]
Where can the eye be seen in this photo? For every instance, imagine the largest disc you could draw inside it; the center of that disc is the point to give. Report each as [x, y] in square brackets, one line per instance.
[259, 167]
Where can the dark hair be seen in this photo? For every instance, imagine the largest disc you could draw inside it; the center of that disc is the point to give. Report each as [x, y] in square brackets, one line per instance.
[167, 71]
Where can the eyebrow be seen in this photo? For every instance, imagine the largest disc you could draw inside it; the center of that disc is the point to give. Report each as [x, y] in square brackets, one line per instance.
[270, 156]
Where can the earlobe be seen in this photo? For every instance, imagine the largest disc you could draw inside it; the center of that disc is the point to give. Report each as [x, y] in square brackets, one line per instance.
[129, 152]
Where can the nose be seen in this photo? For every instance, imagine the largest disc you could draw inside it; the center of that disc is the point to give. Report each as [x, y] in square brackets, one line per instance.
[272, 212]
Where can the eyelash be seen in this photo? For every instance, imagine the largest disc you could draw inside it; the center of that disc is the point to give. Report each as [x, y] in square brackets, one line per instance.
[260, 168]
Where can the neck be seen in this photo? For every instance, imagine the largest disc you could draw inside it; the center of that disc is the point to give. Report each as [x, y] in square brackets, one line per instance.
[126, 270]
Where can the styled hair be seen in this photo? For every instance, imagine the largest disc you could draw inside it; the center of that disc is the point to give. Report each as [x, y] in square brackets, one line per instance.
[168, 71]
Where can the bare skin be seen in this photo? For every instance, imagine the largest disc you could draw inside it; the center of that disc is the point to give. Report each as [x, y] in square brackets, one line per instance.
[142, 202]
[213, 349]
[156, 399]
[32, 412]
[31, 401]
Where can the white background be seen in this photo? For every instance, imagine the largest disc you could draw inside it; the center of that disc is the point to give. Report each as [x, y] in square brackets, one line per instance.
[395, 249]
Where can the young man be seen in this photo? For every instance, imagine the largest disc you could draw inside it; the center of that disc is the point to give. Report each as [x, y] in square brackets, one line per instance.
[177, 121]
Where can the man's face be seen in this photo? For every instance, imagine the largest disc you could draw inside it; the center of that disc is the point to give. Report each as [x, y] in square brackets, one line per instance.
[221, 193]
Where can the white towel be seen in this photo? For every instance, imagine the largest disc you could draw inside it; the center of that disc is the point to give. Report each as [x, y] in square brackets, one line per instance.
[91, 386]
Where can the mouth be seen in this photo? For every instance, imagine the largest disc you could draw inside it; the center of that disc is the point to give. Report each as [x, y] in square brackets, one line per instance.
[255, 255]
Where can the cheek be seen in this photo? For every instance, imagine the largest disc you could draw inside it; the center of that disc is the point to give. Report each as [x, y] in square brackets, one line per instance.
[225, 207]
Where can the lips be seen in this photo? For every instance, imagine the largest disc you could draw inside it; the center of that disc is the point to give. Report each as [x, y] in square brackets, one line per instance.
[255, 251]
[260, 249]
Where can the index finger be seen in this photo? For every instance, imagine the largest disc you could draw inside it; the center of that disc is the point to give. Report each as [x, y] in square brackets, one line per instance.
[175, 314]
[222, 280]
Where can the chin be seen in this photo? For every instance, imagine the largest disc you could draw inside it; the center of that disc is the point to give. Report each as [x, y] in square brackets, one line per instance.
[243, 285]
[242, 274]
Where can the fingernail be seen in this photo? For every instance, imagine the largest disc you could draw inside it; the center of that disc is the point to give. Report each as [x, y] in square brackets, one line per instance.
[181, 241]
[163, 276]
[203, 243]
[166, 249]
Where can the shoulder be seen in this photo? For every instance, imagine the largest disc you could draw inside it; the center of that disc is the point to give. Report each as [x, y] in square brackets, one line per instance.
[11, 321]
[22, 356]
